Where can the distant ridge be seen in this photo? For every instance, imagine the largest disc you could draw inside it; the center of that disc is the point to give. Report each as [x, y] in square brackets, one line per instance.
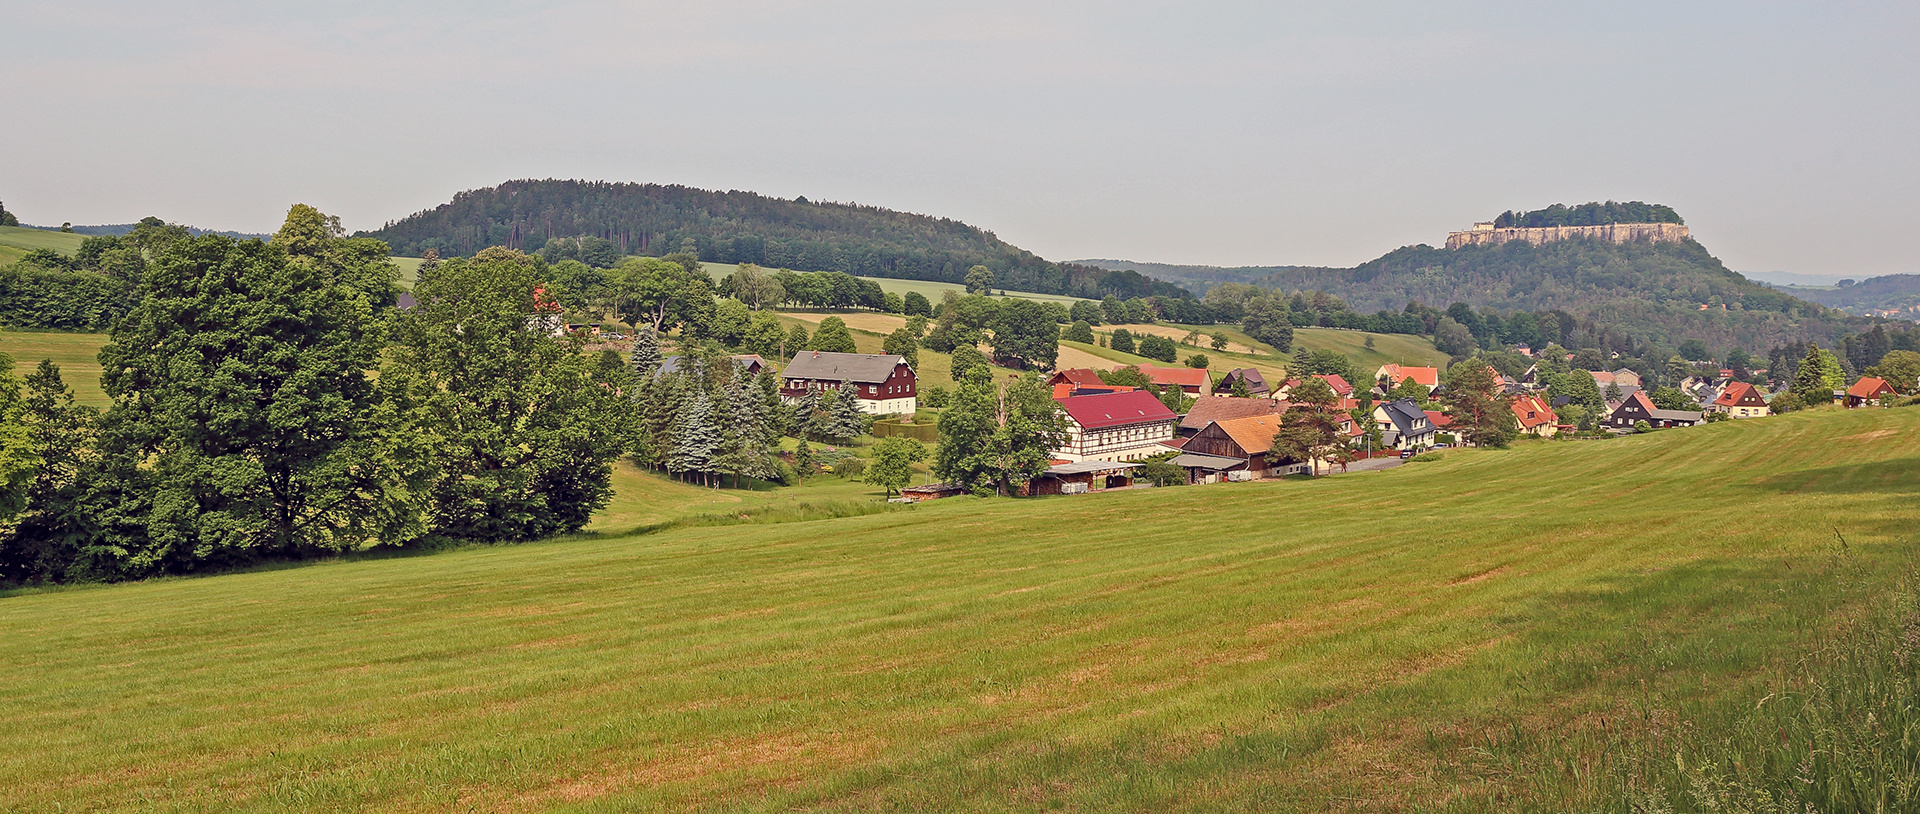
[747, 227]
[118, 229]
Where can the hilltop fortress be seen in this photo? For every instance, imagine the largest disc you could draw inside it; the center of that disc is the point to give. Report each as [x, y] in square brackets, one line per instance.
[1486, 234]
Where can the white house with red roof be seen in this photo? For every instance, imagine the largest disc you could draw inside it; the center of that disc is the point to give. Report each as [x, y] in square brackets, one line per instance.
[1534, 416]
[1115, 427]
[1739, 400]
[1867, 392]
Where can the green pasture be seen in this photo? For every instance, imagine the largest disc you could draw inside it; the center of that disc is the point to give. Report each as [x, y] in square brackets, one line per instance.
[26, 240]
[78, 356]
[1498, 630]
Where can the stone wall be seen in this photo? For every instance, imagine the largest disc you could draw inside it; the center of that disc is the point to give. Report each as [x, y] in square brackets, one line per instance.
[1613, 232]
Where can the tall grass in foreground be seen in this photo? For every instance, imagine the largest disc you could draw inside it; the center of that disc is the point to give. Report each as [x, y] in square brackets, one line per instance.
[1840, 731]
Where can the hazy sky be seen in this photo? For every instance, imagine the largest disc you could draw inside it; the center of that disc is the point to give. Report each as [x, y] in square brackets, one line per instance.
[1788, 134]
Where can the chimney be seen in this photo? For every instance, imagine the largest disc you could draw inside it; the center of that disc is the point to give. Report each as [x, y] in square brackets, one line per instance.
[816, 354]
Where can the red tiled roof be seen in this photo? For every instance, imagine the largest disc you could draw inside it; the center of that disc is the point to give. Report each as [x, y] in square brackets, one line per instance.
[1426, 376]
[1206, 411]
[1532, 411]
[1114, 409]
[1076, 375]
[1871, 387]
[1254, 433]
[1439, 419]
[1735, 393]
[1068, 389]
[1183, 376]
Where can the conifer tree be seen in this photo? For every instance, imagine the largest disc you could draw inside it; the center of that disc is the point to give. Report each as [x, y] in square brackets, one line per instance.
[773, 409]
[849, 421]
[645, 357]
[696, 443]
[803, 459]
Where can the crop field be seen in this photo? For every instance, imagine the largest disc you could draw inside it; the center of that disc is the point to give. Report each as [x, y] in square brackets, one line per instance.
[1496, 629]
[78, 356]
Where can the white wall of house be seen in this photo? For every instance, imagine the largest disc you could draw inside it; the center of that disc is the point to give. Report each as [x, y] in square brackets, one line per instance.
[1128, 442]
[895, 406]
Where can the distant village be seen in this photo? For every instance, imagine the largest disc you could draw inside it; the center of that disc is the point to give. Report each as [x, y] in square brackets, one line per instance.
[1227, 434]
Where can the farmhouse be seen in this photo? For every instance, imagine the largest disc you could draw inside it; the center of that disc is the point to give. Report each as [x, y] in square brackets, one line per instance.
[1739, 400]
[1247, 439]
[1078, 376]
[1867, 392]
[885, 383]
[1638, 407]
[1115, 427]
[750, 362]
[1207, 411]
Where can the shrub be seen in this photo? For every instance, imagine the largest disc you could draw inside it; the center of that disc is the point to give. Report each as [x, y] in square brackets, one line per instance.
[1642, 426]
[935, 397]
[851, 467]
[1198, 360]
[1426, 457]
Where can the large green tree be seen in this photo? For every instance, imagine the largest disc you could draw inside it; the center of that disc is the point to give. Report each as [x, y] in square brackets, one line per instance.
[1479, 410]
[1819, 375]
[1025, 333]
[833, 336]
[1901, 369]
[516, 431]
[892, 461]
[47, 537]
[241, 397]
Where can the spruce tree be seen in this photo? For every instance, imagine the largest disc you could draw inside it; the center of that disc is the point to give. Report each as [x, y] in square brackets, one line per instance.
[645, 357]
[697, 439]
[803, 459]
[773, 409]
[849, 421]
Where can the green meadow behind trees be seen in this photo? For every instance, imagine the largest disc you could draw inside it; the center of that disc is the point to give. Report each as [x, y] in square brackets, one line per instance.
[1681, 620]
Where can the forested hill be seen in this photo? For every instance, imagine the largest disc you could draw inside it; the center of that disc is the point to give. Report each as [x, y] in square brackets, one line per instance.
[746, 227]
[1660, 292]
[1195, 278]
[1891, 295]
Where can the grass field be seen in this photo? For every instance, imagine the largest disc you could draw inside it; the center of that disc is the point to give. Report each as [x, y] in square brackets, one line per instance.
[931, 290]
[76, 354]
[29, 239]
[1495, 630]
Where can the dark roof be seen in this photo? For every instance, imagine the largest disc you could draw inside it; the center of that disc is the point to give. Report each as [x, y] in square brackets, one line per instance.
[1404, 414]
[1115, 409]
[405, 302]
[671, 364]
[1675, 415]
[1208, 410]
[1255, 382]
[1195, 460]
[826, 366]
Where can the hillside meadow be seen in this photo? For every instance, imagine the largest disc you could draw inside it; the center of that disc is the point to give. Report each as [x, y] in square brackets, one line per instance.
[1494, 630]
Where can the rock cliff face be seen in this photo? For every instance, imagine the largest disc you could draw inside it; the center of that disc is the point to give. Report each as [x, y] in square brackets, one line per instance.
[1486, 235]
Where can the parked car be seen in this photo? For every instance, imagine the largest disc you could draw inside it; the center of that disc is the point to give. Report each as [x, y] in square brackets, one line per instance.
[1441, 446]
[1407, 453]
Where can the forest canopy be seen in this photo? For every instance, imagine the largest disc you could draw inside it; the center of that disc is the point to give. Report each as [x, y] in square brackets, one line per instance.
[1589, 214]
[745, 227]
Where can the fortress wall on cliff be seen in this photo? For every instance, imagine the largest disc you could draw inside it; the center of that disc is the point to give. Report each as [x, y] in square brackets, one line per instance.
[1613, 232]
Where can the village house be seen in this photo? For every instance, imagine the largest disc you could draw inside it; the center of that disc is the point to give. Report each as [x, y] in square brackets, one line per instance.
[1256, 384]
[751, 362]
[1341, 389]
[1115, 427]
[885, 383]
[1534, 416]
[1428, 377]
[1739, 400]
[1193, 381]
[1867, 392]
[1637, 408]
[1404, 425]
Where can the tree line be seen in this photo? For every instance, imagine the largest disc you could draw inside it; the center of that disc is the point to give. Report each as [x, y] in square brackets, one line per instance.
[267, 403]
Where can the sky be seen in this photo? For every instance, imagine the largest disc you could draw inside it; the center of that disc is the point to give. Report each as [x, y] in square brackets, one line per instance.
[1222, 133]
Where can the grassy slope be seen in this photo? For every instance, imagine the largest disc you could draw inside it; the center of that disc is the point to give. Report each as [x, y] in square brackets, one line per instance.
[76, 354]
[1440, 633]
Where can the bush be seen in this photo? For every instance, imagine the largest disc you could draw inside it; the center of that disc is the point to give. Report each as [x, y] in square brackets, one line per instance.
[1159, 348]
[935, 397]
[1642, 426]
[1079, 331]
[1160, 472]
[1198, 360]
[851, 468]
[1426, 457]
[1786, 403]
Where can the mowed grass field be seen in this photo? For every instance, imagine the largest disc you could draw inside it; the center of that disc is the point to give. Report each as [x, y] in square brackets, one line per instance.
[1483, 632]
[78, 356]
